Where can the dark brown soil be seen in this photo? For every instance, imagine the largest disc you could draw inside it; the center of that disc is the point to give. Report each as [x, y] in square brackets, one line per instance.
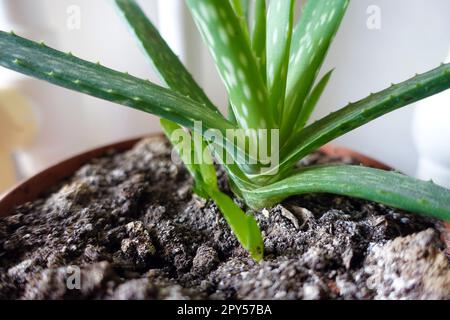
[132, 225]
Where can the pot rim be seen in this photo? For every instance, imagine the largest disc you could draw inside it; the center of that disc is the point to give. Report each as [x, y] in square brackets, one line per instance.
[35, 186]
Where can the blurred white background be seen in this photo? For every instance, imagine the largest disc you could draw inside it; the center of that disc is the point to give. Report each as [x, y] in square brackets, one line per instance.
[410, 36]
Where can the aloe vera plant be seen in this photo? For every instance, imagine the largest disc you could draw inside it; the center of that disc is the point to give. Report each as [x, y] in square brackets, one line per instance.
[269, 64]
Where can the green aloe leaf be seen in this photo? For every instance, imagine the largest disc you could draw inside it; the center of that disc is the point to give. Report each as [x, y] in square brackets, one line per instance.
[359, 113]
[230, 114]
[205, 160]
[234, 58]
[164, 60]
[176, 77]
[389, 188]
[66, 70]
[242, 7]
[242, 10]
[182, 143]
[244, 226]
[311, 102]
[278, 42]
[258, 35]
[192, 149]
[312, 37]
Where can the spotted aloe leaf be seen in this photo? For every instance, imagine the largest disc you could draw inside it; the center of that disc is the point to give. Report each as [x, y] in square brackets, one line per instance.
[194, 153]
[240, 54]
[359, 113]
[311, 102]
[241, 7]
[68, 71]
[235, 62]
[164, 60]
[182, 144]
[244, 226]
[192, 149]
[242, 11]
[171, 70]
[311, 40]
[258, 35]
[278, 42]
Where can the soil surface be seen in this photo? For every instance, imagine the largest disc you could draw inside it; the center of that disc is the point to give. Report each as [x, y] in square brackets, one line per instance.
[127, 226]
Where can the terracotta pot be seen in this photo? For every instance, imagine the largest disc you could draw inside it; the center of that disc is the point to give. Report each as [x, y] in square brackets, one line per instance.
[36, 186]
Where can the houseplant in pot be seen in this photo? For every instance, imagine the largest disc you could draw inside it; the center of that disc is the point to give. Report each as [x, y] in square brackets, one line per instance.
[132, 216]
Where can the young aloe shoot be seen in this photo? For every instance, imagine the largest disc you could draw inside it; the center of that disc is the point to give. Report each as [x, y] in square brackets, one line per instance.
[269, 64]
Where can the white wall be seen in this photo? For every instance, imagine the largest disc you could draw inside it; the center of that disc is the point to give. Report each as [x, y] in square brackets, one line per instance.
[414, 37]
